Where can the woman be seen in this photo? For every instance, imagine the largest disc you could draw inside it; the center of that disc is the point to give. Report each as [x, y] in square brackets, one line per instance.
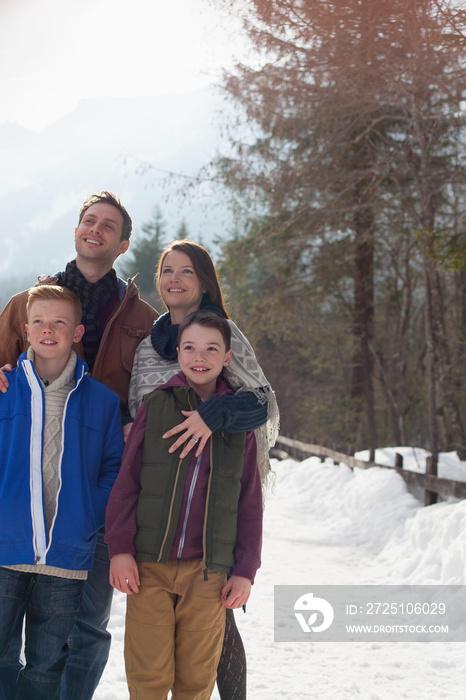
[187, 280]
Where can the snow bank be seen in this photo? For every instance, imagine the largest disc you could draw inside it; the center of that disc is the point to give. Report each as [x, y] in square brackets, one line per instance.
[326, 524]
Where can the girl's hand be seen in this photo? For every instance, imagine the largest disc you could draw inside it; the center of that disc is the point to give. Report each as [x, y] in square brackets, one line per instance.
[124, 574]
[236, 591]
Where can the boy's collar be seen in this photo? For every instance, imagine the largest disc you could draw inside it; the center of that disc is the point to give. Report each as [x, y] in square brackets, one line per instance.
[74, 362]
[179, 379]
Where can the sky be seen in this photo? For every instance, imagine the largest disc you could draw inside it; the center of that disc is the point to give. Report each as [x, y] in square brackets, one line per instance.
[325, 524]
[53, 53]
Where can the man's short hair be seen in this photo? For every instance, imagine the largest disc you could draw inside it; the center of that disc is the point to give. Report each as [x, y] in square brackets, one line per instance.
[209, 319]
[51, 292]
[109, 198]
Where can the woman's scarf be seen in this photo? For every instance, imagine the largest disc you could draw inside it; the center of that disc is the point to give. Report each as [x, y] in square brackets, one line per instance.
[164, 337]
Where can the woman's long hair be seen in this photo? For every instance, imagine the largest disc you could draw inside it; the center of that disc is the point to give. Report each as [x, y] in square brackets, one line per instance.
[204, 269]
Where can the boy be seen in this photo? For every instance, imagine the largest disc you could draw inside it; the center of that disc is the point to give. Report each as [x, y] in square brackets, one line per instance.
[61, 442]
[176, 528]
[115, 319]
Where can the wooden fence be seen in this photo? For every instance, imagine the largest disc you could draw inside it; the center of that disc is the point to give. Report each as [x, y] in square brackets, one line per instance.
[431, 483]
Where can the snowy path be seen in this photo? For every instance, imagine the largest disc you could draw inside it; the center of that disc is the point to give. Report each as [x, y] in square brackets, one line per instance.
[328, 525]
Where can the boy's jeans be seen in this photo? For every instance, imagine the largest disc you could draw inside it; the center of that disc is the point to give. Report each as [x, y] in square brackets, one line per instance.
[50, 604]
[90, 640]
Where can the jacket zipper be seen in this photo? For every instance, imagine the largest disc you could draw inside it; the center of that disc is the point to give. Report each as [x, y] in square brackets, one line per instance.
[190, 499]
[78, 382]
[39, 535]
[188, 506]
[170, 512]
[204, 531]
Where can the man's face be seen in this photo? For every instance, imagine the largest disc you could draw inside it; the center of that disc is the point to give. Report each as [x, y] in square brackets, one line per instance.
[52, 328]
[97, 237]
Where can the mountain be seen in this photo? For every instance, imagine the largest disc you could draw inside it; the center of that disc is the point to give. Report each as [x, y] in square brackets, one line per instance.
[105, 144]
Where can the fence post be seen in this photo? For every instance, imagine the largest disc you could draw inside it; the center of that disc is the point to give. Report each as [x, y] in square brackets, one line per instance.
[430, 497]
[398, 460]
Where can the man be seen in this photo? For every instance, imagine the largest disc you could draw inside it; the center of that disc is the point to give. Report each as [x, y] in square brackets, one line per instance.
[115, 321]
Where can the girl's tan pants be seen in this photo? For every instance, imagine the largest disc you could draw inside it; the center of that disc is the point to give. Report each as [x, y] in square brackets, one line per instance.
[174, 632]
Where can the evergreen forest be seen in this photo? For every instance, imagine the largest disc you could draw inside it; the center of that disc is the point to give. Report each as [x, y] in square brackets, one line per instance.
[346, 174]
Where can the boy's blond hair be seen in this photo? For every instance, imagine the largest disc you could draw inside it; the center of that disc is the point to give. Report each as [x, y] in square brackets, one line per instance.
[52, 292]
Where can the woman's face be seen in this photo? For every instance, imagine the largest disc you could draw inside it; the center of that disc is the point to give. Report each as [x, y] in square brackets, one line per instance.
[180, 286]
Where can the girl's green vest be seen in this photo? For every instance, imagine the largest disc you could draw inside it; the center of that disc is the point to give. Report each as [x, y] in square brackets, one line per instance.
[163, 477]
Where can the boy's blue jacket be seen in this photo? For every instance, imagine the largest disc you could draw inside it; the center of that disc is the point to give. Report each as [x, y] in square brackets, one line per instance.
[92, 445]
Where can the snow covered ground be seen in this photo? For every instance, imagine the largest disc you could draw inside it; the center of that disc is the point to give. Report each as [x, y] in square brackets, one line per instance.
[326, 524]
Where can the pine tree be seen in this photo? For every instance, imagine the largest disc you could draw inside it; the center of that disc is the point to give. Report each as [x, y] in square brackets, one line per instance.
[143, 256]
[353, 107]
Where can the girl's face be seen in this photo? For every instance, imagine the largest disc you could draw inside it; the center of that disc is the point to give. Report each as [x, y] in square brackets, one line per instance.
[180, 286]
[202, 356]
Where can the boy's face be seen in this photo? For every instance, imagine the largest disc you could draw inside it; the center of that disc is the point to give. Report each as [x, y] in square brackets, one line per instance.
[202, 356]
[52, 329]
